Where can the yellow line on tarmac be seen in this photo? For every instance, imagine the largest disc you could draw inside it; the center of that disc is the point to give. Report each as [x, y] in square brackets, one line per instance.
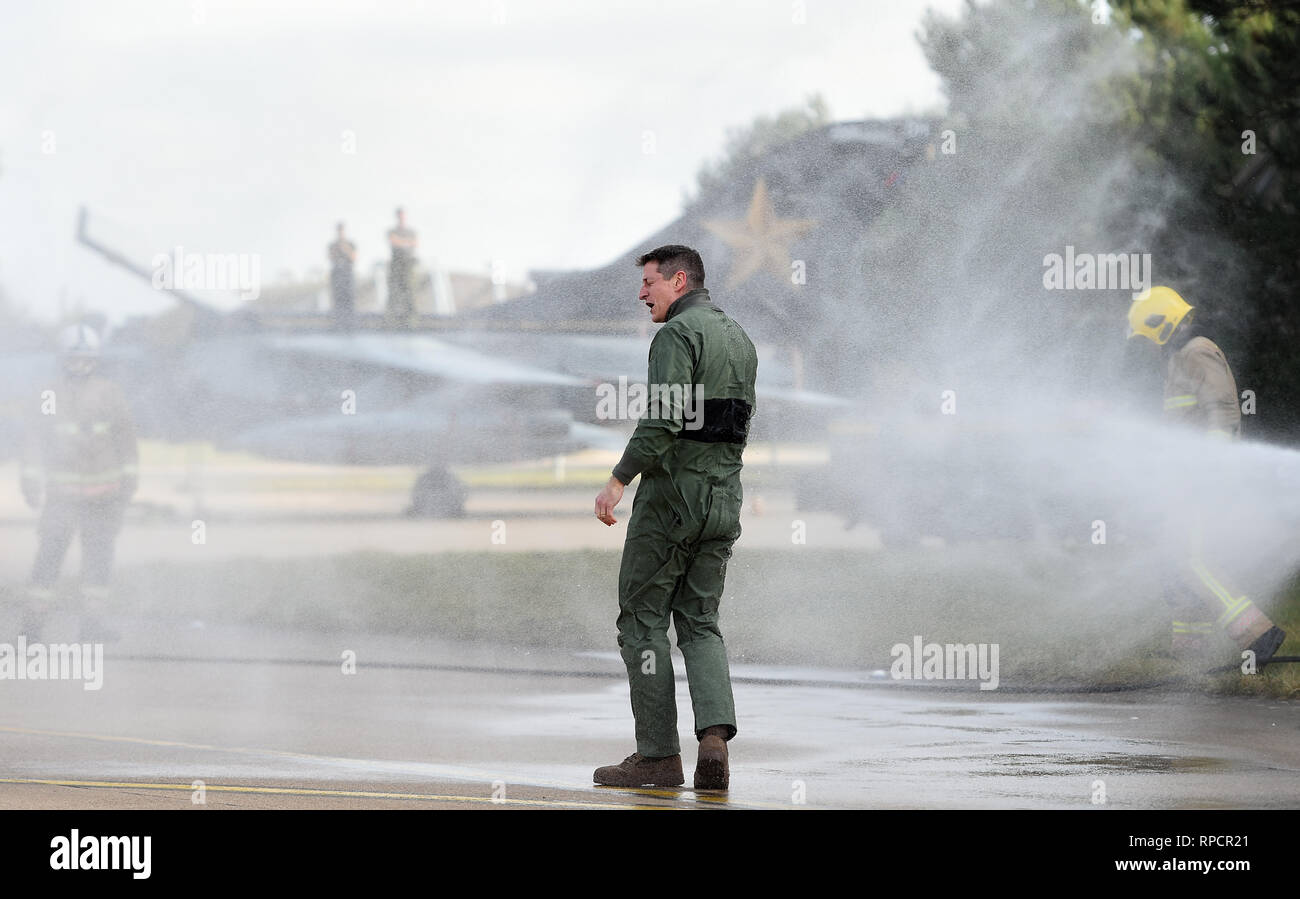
[63, 733]
[347, 794]
[713, 799]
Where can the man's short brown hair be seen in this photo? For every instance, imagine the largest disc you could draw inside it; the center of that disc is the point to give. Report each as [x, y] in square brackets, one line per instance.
[673, 258]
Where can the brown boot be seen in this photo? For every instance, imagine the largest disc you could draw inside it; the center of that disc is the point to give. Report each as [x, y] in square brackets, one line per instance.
[638, 771]
[711, 771]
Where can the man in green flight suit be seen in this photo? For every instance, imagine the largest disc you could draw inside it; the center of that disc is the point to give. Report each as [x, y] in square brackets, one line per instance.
[685, 518]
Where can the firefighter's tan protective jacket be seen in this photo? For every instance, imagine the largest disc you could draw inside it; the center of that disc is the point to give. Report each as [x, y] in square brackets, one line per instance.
[1200, 390]
[82, 441]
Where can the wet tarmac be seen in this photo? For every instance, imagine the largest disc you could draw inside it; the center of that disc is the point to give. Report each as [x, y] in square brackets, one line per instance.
[271, 720]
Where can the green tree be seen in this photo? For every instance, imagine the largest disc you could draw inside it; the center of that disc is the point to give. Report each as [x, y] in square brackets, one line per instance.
[746, 145]
[1038, 151]
[1222, 106]
[1111, 136]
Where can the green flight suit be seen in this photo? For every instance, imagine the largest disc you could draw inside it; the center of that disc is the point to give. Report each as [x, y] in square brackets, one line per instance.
[685, 518]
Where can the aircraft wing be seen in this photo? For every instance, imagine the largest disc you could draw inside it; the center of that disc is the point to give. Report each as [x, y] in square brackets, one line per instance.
[420, 354]
[594, 358]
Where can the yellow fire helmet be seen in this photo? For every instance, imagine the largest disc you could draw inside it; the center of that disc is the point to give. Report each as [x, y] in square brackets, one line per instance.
[1155, 313]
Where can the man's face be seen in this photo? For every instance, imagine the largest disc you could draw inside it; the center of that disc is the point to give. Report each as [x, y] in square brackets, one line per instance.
[659, 293]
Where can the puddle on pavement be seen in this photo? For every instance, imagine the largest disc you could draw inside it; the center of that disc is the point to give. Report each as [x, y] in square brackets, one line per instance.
[1029, 765]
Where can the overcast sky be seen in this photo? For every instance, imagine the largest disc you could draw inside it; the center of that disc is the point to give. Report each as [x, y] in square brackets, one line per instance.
[510, 130]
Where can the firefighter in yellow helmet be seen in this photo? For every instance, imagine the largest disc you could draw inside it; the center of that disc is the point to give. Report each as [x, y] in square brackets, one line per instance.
[80, 457]
[1200, 392]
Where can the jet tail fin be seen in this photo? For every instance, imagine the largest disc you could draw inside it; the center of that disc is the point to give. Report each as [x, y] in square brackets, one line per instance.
[204, 310]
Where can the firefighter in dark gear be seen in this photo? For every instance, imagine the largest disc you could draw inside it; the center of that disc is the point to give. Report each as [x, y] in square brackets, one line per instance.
[80, 452]
[401, 290]
[685, 519]
[1200, 392]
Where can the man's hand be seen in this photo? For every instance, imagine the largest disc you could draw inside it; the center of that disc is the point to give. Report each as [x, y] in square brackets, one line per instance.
[608, 499]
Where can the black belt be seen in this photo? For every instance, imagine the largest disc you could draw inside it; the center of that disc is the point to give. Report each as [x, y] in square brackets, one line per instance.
[725, 421]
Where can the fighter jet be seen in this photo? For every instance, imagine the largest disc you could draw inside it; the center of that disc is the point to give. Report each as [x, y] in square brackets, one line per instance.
[434, 398]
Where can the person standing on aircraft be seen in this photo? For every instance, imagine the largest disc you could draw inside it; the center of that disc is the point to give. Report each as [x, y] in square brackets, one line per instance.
[342, 254]
[401, 295]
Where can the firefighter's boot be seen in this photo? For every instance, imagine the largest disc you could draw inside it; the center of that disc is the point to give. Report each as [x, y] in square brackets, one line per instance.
[1267, 646]
[36, 611]
[94, 629]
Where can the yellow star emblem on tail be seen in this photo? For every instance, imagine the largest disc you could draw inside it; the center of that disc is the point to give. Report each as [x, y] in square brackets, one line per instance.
[760, 240]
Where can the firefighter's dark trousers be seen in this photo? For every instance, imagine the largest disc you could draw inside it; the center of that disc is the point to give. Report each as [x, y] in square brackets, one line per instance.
[99, 521]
